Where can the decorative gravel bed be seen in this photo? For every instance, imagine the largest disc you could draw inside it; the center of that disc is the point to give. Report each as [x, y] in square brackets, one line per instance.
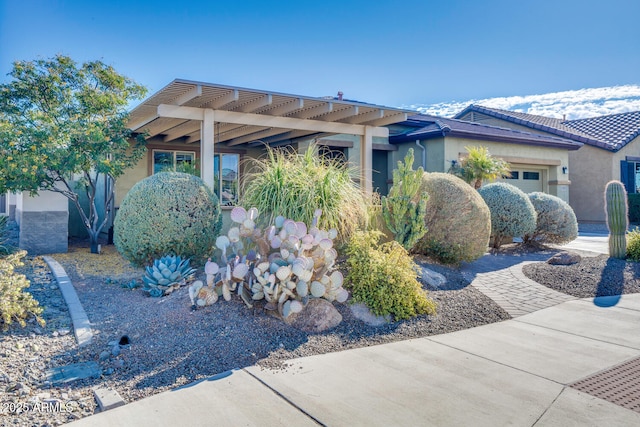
[591, 277]
[171, 345]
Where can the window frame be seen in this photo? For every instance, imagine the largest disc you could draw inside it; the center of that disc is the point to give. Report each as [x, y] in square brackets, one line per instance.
[218, 181]
[174, 154]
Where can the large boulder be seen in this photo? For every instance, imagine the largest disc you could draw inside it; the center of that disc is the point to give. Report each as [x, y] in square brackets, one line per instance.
[318, 316]
[564, 258]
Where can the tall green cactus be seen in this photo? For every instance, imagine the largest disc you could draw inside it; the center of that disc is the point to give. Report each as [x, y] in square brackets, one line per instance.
[617, 209]
[403, 211]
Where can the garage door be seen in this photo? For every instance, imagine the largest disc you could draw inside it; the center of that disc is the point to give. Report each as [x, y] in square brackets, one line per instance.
[528, 180]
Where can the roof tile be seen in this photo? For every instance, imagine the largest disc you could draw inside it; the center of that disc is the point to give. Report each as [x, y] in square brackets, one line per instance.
[610, 132]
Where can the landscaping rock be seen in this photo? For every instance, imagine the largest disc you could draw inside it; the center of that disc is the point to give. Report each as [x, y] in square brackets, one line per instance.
[431, 278]
[362, 312]
[318, 316]
[564, 258]
[115, 350]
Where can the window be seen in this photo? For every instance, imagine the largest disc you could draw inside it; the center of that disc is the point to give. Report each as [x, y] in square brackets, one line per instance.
[226, 172]
[225, 168]
[181, 161]
[3, 204]
[534, 176]
[513, 175]
[333, 153]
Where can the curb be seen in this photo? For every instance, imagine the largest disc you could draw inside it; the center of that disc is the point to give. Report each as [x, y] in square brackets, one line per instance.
[81, 324]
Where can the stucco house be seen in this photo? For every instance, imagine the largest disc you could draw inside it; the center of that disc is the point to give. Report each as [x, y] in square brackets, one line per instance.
[217, 128]
[538, 162]
[611, 151]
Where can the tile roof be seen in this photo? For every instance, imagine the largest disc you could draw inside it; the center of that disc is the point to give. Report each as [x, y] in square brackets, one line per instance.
[616, 129]
[426, 126]
[608, 132]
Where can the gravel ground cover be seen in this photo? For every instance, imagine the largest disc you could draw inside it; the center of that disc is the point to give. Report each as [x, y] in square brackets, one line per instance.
[591, 277]
[171, 345]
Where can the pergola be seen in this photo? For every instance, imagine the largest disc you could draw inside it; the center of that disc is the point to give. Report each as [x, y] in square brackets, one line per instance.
[189, 112]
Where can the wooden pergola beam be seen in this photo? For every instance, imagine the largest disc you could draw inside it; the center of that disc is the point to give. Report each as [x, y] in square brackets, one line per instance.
[193, 113]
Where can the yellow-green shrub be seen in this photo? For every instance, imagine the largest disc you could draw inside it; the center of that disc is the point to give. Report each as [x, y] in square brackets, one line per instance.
[15, 303]
[384, 278]
[633, 244]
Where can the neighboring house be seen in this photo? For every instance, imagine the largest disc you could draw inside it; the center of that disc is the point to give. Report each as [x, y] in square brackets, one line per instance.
[611, 151]
[538, 162]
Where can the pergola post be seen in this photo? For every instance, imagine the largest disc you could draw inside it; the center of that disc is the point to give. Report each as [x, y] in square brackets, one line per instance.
[206, 148]
[366, 159]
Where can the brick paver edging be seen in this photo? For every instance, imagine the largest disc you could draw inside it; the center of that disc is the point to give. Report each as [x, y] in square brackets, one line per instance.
[79, 319]
[516, 293]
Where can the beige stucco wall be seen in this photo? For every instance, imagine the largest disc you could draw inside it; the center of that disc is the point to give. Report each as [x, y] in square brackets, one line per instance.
[441, 151]
[592, 168]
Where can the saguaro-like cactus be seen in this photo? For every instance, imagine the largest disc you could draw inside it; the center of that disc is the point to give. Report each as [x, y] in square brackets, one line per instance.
[615, 198]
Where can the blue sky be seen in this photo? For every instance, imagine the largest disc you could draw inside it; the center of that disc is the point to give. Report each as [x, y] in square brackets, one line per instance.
[386, 52]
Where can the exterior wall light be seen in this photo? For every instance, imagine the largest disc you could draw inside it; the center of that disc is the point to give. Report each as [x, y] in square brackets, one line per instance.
[565, 170]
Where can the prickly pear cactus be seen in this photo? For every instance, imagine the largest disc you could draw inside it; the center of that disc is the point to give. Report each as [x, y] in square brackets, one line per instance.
[167, 274]
[285, 265]
[617, 209]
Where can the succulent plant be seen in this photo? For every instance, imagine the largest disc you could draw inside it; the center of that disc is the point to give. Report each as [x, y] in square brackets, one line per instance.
[167, 274]
[616, 208]
[201, 295]
[285, 265]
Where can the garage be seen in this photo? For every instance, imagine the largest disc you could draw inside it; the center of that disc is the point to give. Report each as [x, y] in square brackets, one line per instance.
[526, 179]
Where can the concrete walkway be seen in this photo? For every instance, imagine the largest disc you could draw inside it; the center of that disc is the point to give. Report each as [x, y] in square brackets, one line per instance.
[520, 372]
[516, 372]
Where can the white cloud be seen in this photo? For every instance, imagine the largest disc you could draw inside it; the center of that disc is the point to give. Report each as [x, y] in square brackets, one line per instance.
[572, 104]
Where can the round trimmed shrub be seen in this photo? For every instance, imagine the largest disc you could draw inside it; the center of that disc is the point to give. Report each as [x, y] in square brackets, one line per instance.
[512, 213]
[556, 222]
[458, 220]
[167, 213]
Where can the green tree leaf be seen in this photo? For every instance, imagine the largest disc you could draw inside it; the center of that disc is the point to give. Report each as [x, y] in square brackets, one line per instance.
[60, 121]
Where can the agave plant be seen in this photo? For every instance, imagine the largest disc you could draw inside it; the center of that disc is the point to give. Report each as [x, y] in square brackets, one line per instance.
[166, 275]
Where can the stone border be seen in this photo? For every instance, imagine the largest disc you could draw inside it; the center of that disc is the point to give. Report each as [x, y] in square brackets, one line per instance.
[81, 324]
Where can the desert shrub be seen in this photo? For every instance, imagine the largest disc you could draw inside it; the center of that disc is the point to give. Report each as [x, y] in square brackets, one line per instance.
[15, 303]
[633, 244]
[512, 213]
[556, 222]
[457, 219]
[384, 278]
[295, 185]
[403, 209]
[167, 213]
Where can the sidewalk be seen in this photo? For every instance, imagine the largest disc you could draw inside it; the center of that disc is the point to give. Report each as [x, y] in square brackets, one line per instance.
[522, 372]
[516, 372]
